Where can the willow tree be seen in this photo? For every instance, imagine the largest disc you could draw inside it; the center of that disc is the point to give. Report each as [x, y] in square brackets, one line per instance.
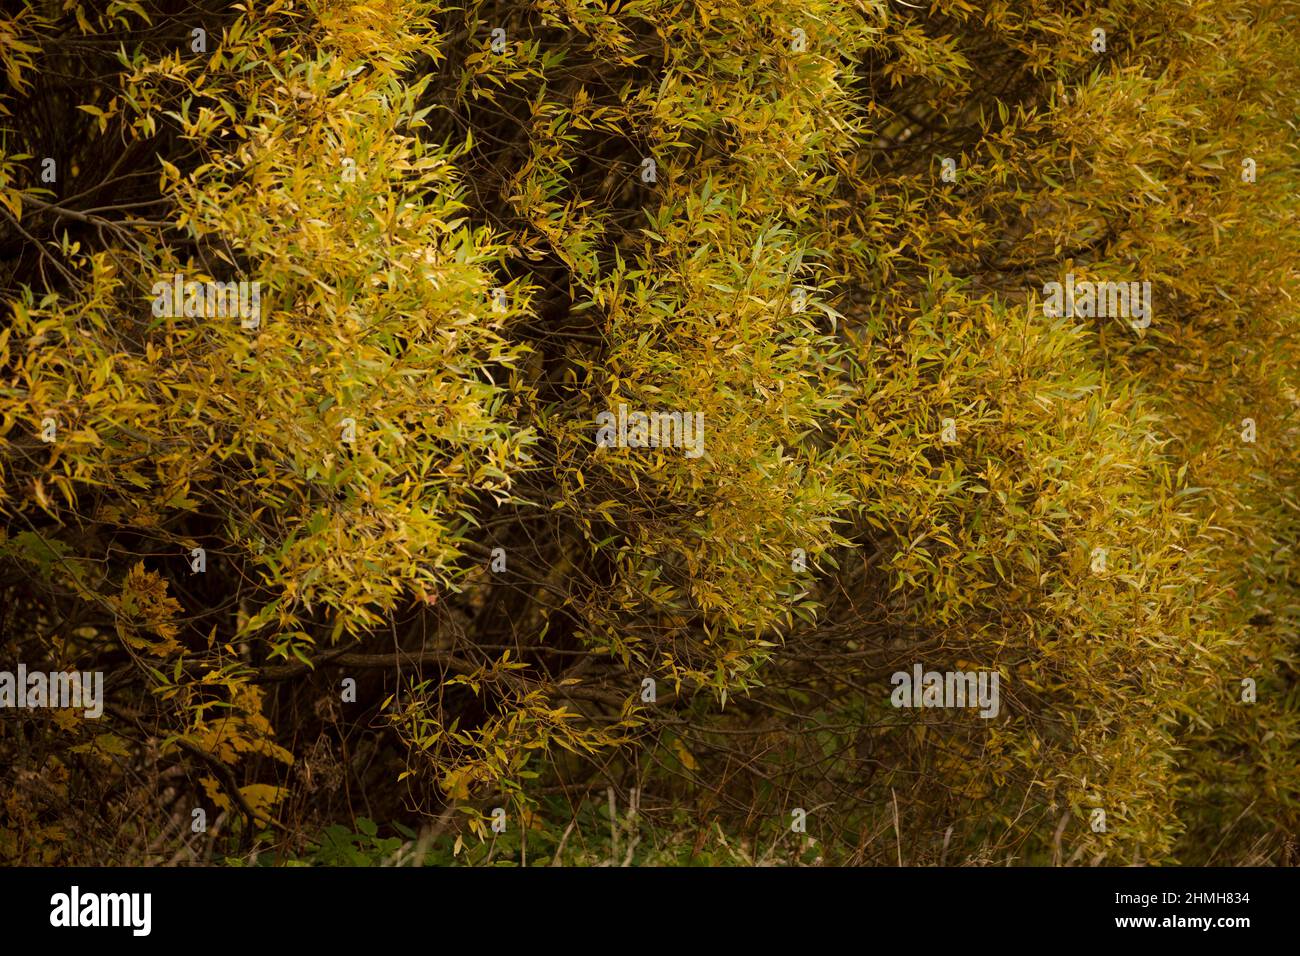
[433, 408]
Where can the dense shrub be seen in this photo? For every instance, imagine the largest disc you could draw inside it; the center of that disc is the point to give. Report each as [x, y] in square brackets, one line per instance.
[826, 228]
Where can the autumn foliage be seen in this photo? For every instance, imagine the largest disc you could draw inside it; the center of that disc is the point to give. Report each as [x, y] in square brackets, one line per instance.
[825, 226]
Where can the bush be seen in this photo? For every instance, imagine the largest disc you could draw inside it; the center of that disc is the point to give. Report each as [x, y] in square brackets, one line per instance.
[825, 233]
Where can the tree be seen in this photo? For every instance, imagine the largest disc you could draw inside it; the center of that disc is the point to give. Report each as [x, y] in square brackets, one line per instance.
[317, 312]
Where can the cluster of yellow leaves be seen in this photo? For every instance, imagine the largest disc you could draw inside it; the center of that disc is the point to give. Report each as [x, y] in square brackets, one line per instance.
[795, 272]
